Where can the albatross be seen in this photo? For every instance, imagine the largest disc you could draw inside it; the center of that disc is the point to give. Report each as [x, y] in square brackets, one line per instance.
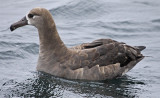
[98, 60]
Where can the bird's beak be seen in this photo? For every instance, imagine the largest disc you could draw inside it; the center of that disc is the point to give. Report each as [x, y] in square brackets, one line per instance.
[18, 24]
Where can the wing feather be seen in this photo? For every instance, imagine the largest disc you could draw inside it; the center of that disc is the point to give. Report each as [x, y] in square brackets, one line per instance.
[103, 52]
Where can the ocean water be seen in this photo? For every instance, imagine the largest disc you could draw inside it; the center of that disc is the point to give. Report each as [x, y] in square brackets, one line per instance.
[135, 22]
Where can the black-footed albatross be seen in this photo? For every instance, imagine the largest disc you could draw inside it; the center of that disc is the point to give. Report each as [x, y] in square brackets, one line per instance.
[99, 60]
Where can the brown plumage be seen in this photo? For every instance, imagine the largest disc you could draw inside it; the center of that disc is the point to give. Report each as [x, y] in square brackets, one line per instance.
[99, 60]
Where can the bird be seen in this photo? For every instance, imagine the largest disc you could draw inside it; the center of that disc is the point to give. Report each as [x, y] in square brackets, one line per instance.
[101, 59]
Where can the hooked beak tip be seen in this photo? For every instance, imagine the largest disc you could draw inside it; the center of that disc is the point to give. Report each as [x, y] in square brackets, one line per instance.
[18, 24]
[12, 28]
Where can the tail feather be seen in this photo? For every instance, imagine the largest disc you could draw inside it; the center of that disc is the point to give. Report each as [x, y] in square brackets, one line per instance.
[140, 48]
[130, 66]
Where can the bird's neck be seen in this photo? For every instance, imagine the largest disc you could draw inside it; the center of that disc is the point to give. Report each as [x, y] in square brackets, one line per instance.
[51, 44]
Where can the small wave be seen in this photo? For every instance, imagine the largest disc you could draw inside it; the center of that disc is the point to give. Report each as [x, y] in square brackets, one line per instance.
[11, 54]
[124, 23]
[113, 26]
[3, 30]
[11, 50]
[156, 21]
[146, 3]
[32, 48]
[10, 44]
[79, 10]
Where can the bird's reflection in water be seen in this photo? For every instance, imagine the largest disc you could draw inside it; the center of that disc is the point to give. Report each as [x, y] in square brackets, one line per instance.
[44, 85]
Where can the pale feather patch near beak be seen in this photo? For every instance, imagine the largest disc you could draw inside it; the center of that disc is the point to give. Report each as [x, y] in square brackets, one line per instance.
[28, 19]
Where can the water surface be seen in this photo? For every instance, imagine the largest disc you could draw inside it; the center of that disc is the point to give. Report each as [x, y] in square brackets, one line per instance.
[135, 22]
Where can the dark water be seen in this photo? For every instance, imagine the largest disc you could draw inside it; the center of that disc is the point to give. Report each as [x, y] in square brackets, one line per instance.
[136, 22]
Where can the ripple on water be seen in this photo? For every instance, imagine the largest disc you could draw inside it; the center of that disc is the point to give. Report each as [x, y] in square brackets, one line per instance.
[44, 85]
[74, 9]
[5, 55]
[156, 21]
[17, 50]
[32, 48]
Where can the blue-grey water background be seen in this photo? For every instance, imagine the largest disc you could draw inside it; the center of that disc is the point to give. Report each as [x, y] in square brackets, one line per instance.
[135, 22]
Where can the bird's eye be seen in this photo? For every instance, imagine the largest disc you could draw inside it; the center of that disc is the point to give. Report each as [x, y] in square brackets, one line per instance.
[30, 15]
